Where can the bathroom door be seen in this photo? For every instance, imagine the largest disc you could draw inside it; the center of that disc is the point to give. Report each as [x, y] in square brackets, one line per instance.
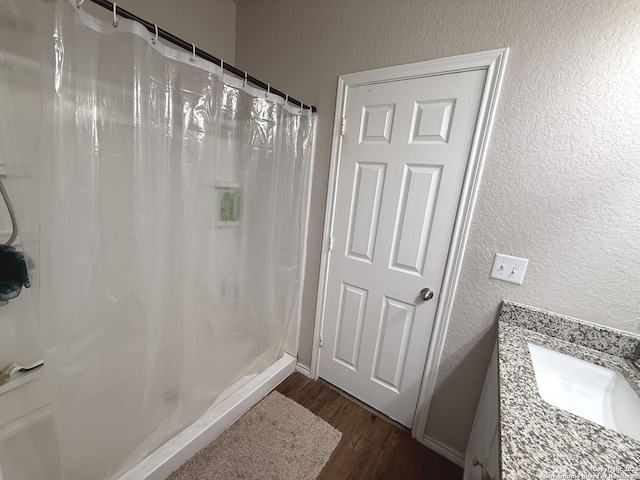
[405, 146]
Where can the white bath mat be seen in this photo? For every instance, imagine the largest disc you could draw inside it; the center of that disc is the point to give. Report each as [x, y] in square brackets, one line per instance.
[277, 439]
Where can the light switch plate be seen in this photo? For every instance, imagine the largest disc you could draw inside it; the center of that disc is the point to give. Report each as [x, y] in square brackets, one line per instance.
[508, 268]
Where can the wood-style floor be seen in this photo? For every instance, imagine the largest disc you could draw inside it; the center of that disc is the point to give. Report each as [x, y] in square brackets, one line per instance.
[371, 447]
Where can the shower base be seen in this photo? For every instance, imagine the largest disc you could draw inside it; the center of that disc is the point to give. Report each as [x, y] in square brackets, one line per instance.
[234, 403]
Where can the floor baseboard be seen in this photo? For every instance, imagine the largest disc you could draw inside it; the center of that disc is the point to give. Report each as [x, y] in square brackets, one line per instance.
[303, 370]
[443, 449]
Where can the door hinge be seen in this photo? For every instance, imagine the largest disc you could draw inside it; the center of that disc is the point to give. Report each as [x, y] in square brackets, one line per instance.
[331, 243]
[320, 344]
[343, 122]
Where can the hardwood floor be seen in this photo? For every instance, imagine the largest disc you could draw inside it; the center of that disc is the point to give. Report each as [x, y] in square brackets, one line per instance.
[371, 447]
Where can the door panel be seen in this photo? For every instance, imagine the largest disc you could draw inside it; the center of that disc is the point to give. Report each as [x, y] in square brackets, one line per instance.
[404, 153]
[417, 203]
[392, 343]
[365, 210]
[353, 301]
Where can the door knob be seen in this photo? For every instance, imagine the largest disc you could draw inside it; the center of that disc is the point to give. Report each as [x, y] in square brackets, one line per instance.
[426, 294]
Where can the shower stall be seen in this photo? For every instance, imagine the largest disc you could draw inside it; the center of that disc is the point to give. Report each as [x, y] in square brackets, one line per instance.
[162, 208]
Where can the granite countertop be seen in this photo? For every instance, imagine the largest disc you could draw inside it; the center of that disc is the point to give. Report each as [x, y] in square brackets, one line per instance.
[538, 440]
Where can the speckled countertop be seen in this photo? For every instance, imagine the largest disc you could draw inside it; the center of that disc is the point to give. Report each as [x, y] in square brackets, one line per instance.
[540, 441]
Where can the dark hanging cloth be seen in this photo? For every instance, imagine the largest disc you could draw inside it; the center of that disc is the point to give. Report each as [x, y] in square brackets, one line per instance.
[13, 273]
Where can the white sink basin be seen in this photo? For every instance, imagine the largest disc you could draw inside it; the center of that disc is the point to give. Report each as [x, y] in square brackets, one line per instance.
[587, 390]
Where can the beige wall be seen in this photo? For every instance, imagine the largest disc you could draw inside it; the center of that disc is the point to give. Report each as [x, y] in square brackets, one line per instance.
[561, 184]
[210, 24]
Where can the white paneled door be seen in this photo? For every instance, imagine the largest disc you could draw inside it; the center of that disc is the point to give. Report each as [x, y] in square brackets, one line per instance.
[405, 146]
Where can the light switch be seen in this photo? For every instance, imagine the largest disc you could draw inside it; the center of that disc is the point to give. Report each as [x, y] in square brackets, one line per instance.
[508, 268]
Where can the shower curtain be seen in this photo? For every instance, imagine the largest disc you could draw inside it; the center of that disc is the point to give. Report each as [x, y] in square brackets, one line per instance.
[163, 206]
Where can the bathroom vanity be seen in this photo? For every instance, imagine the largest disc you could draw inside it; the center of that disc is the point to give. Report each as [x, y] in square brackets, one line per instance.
[518, 435]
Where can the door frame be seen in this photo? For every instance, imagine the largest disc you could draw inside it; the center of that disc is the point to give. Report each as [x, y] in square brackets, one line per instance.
[493, 61]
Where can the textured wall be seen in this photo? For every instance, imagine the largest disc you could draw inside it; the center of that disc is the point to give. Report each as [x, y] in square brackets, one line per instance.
[210, 24]
[561, 184]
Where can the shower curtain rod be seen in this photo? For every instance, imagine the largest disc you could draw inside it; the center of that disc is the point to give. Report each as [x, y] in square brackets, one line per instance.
[151, 27]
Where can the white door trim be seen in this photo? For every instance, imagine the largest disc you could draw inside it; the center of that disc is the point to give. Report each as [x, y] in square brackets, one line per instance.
[493, 62]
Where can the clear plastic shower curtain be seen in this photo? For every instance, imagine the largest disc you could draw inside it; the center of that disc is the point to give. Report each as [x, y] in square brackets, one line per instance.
[163, 205]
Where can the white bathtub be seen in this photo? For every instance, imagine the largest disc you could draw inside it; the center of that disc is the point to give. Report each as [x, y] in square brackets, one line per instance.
[28, 445]
[28, 448]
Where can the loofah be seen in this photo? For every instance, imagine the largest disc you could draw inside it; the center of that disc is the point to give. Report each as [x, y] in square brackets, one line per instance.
[13, 273]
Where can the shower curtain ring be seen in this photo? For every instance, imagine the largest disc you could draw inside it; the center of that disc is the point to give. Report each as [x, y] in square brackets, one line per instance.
[301, 107]
[222, 65]
[115, 15]
[286, 98]
[79, 3]
[266, 94]
[155, 38]
[244, 83]
[193, 52]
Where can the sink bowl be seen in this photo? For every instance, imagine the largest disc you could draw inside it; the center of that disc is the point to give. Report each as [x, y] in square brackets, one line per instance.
[590, 391]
